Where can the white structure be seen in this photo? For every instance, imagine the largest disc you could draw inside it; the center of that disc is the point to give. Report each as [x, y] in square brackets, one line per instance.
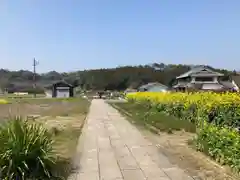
[62, 92]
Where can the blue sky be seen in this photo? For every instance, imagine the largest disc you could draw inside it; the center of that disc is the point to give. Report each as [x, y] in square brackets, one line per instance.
[68, 35]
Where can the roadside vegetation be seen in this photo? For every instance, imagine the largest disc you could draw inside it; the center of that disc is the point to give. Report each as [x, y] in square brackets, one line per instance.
[215, 117]
[39, 137]
[143, 114]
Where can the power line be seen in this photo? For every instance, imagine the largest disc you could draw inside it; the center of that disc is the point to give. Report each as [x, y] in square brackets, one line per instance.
[35, 63]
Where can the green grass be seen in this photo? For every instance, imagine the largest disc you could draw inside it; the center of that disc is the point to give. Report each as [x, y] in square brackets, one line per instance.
[150, 117]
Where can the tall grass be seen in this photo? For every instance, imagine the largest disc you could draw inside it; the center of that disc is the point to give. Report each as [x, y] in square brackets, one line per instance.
[25, 150]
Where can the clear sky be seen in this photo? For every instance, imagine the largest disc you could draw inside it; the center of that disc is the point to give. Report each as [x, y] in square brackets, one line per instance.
[68, 35]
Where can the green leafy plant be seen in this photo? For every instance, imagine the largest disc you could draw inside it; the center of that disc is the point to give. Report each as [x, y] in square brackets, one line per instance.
[26, 150]
[221, 143]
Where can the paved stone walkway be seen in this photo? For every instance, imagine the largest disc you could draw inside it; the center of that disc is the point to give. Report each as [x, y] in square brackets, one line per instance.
[114, 149]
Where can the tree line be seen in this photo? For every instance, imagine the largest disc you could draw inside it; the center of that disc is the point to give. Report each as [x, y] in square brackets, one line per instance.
[118, 78]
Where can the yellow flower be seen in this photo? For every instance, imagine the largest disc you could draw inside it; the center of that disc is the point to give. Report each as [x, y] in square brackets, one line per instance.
[3, 101]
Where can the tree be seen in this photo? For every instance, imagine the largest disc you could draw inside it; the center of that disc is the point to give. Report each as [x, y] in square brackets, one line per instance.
[118, 78]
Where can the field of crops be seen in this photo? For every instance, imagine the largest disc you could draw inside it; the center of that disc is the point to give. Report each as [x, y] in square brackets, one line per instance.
[217, 118]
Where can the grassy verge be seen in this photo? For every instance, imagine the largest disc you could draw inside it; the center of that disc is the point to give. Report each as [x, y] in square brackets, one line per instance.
[150, 117]
[62, 118]
[44, 107]
[66, 132]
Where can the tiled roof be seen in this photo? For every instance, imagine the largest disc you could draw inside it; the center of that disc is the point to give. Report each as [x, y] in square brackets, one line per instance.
[197, 70]
[63, 82]
[146, 86]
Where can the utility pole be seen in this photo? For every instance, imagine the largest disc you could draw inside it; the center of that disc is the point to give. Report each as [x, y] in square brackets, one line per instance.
[35, 63]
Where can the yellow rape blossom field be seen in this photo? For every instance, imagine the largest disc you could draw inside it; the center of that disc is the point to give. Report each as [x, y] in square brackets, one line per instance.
[202, 100]
[216, 116]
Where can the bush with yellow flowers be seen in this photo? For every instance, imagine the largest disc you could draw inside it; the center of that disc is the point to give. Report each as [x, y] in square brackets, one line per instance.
[3, 101]
[221, 109]
[216, 115]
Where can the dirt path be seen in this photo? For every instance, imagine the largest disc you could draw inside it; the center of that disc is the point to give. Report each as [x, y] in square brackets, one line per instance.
[111, 148]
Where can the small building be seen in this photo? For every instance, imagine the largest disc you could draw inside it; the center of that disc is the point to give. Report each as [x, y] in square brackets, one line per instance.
[153, 87]
[62, 89]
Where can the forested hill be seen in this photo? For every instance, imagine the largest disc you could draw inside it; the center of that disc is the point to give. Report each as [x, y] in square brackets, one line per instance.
[99, 79]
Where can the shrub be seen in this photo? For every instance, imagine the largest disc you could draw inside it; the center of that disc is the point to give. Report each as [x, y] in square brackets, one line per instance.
[26, 150]
[221, 143]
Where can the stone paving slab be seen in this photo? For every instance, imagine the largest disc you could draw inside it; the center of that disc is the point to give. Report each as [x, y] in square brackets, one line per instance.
[114, 149]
